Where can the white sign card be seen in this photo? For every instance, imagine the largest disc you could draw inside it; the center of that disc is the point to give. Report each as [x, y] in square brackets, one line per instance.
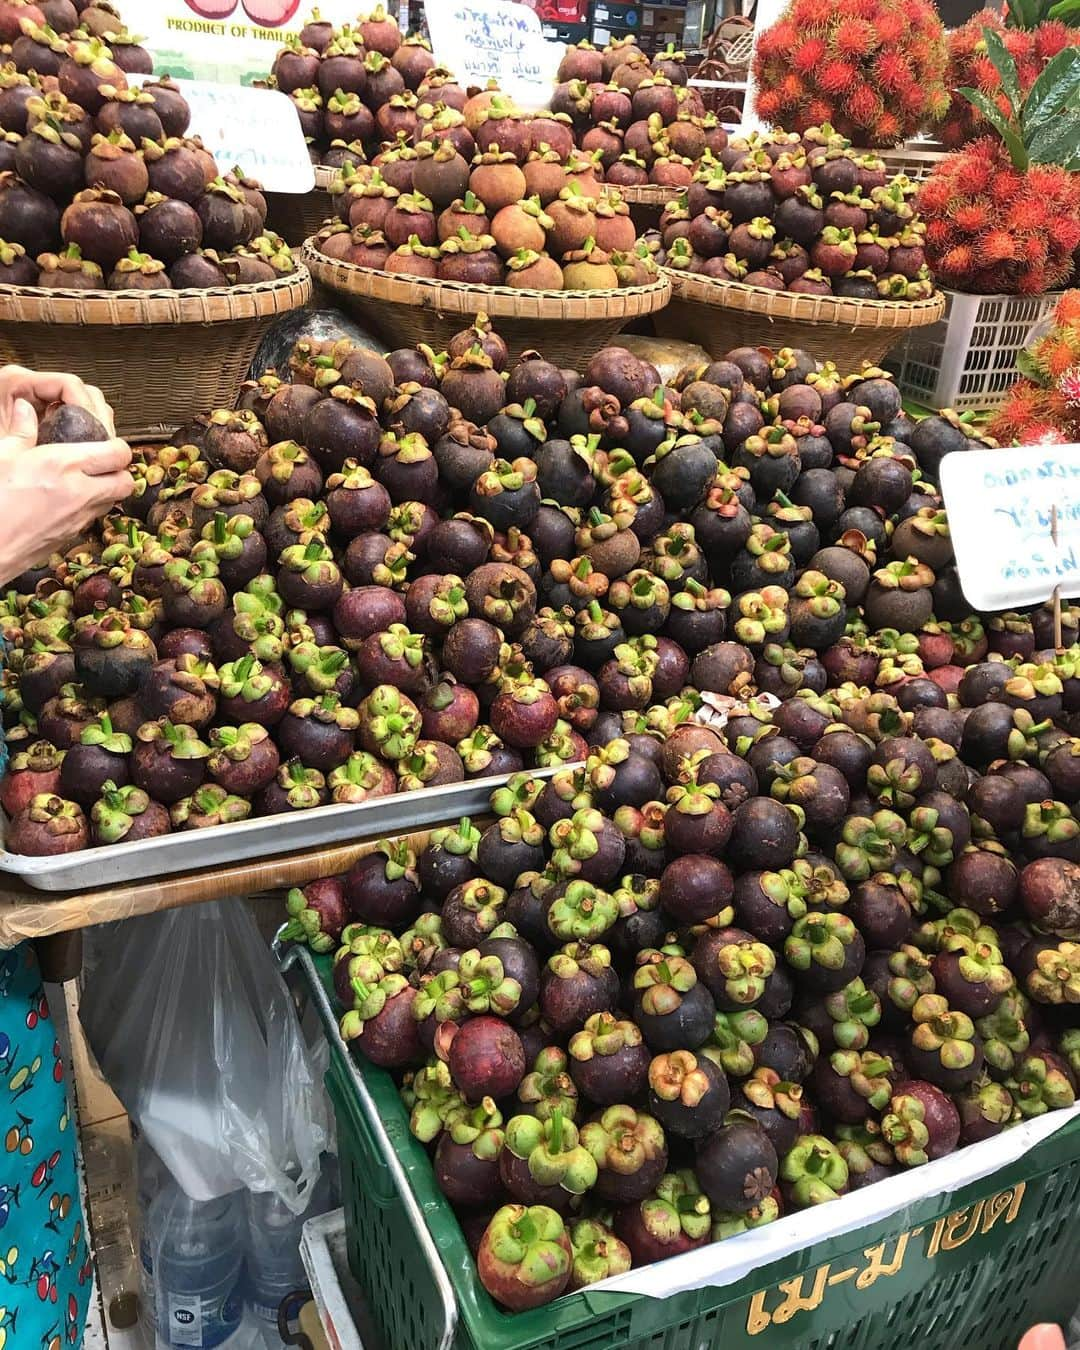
[231, 41]
[1000, 504]
[481, 40]
[256, 130]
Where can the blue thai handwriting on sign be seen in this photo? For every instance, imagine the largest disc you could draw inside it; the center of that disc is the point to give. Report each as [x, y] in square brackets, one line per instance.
[1004, 507]
[483, 40]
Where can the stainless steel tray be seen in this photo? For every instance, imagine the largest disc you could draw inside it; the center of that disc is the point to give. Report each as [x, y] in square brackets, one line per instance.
[199, 850]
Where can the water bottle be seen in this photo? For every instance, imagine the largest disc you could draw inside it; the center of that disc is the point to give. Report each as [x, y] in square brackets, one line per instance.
[150, 1175]
[198, 1253]
[274, 1265]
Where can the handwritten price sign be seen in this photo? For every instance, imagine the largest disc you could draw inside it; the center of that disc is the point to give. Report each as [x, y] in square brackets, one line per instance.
[1001, 508]
[483, 40]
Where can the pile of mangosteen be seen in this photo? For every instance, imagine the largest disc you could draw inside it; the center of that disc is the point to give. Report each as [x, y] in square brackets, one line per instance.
[100, 187]
[806, 214]
[714, 977]
[501, 208]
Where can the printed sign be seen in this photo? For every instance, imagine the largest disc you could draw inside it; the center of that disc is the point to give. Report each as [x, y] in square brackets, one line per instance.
[256, 130]
[483, 40]
[231, 41]
[999, 505]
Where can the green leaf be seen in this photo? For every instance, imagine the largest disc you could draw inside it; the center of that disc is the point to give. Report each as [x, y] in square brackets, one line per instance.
[1025, 364]
[990, 110]
[1023, 13]
[1051, 111]
[1065, 9]
[1005, 66]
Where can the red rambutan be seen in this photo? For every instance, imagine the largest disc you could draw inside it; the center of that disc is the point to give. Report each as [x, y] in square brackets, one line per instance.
[958, 261]
[1068, 310]
[808, 55]
[854, 37]
[1027, 213]
[889, 27]
[1069, 387]
[769, 104]
[887, 129]
[1052, 37]
[837, 77]
[972, 217]
[892, 70]
[864, 106]
[982, 74]
[812, 13]
[792, 88]
[997, 246]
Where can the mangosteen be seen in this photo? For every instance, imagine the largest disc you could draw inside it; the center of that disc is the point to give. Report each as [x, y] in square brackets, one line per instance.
[737, 1165]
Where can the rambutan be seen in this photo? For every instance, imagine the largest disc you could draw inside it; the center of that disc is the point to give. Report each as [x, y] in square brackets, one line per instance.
[997, 246]
[837, 77]
[972, 217]
[970, 66]
[792, 88]
[1068, 310]
[893, 71]
[873, 68]
[853, 37]
[864, 106]
[1027, 213]
[808, 55]
[1052, 37]
[887, 129]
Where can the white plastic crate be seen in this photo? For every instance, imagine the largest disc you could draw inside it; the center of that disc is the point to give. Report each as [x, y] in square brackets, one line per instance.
[918, 159]
[967, 360]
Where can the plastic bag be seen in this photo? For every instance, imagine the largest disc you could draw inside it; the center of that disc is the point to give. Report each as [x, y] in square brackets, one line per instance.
[195, 1032]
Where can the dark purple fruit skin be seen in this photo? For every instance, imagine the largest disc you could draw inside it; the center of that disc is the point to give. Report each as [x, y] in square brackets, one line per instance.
[707, 1115]
[390, 1038]
[881, 913]
[645, 1247]
[566, 1003]
[373, 899]
[467, 1181]
[687, 1027]
[165, 779]
[737, 1166]
[487, 1059]
[440, 871]
[764, 835]
[787, 1051]
[522, 1187]
[695, 888]
[630, 1188]
[609, 1079]
[86, 768]
[519, 963]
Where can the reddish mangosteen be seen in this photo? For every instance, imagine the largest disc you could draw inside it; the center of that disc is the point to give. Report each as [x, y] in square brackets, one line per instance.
[47, 827]
[127, 814]
[381, 1022]
[32, 772]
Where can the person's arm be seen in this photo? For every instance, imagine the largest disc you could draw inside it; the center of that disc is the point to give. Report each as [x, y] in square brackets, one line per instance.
[51, 493]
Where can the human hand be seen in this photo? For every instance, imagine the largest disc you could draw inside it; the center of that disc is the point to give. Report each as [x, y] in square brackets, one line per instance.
[40, 388]
[1046, 1336]
[52, 493]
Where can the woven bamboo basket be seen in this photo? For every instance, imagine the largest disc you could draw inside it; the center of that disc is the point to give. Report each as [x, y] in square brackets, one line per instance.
[646, 203]
[158, 356]
[567, 326]
[298, 215]
[725, 314]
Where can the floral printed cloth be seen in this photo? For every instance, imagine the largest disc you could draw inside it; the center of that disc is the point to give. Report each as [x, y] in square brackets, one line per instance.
[45, 1269]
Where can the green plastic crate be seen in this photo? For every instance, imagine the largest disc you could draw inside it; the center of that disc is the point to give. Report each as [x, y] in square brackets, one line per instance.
[968, 1271]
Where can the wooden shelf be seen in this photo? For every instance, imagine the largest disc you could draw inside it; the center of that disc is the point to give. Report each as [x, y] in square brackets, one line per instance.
[26, 913]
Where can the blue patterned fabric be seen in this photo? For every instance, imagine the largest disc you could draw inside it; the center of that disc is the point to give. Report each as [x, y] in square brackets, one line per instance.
[45, 1268]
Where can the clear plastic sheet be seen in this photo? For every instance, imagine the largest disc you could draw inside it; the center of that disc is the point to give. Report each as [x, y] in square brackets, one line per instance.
[195, 1031]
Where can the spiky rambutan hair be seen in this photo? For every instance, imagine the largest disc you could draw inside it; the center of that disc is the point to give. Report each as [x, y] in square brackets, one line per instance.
[873, 68]
[991, 229]
[969, 66]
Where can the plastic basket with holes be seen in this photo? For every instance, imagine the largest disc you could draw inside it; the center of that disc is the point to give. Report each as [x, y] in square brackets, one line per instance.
[967, 360]
[969, 1269]
[918, 159]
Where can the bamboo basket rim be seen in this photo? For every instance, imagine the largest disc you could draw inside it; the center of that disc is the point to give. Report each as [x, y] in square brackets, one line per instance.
[717, 293]
[646, 194]
[141, 309]
[459, 297]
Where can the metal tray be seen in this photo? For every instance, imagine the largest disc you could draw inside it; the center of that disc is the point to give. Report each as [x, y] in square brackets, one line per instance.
[266, 837]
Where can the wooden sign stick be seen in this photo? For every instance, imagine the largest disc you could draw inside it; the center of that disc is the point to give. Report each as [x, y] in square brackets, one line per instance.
[1056, 597]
